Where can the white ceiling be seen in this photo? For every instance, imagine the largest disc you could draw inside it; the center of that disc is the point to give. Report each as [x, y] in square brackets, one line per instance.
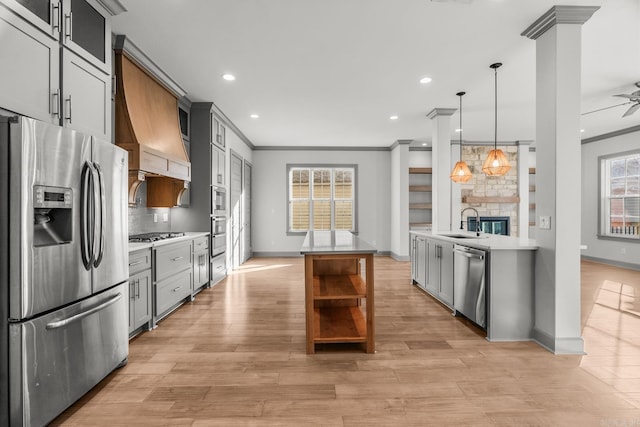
[332, 72]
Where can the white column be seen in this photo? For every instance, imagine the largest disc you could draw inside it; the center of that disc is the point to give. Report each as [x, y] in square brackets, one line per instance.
[400, 200]
[441, 168]
[557, 284]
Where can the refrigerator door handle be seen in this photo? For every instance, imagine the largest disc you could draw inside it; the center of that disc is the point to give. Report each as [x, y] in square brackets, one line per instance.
[64, 322]
[86, 231]
[103, 214]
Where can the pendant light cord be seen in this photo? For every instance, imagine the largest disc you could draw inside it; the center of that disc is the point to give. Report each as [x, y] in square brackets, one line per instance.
[495, 103]
[460, 127]
[460, 94]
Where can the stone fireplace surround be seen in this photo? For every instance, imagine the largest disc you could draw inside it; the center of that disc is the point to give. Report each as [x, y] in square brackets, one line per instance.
[491, 195]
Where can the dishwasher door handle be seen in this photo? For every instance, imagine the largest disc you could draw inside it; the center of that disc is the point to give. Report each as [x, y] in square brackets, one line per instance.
[469, 254]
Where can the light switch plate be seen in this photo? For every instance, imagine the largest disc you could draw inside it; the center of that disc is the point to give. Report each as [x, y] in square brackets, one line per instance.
[165, 217]
[545, 222]
[155, 217]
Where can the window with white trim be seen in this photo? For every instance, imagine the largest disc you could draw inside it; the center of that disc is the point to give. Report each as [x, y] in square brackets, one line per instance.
[321, 198]
[620, 195]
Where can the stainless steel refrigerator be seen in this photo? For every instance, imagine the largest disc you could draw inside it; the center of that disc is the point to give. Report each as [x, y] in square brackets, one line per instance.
[63, 267]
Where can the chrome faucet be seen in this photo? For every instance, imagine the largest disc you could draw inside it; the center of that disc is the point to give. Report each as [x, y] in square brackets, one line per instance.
[477, 220]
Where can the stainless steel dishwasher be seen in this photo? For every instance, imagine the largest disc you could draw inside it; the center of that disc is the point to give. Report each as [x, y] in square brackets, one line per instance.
[469, 283]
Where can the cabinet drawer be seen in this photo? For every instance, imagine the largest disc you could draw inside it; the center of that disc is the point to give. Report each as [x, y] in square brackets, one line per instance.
[200, 243]
[171, 259]
[218, 268]
[139, 261]
[172, 291]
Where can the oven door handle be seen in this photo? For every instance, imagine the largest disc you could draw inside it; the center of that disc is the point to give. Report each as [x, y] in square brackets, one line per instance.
[64, 322]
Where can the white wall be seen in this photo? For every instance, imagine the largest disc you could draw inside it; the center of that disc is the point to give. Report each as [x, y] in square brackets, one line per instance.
[616, 251]
[269, 209]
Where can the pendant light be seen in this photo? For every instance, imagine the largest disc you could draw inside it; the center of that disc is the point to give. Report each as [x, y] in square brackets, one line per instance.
[496, 163]
[460, 172]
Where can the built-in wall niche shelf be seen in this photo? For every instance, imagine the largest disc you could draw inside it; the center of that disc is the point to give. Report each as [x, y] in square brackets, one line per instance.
[532, 200]
[477, 199]
[420, 188]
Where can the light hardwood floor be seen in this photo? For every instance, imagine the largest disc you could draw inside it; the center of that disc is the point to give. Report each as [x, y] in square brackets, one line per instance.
[236, 357]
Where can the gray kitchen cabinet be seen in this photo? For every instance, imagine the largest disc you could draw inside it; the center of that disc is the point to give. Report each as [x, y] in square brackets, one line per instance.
[218, 132]
[419, 264]
[173, 279]
[432, 267]
[58, 61]
[218, 158]
[140, 311]
[86, 98]
[208, 199]
[440, 276]
[218, 268]
[200, 263]
[30, 68]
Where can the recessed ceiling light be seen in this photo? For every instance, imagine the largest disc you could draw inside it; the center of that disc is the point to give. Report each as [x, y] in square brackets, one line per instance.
[424, 144]
[393, 118]
[254, 116]
[425, 80]
[458, 130]
[581, 130]
[229, 77]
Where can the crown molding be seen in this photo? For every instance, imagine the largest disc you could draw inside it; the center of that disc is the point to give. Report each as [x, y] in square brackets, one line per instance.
[441, 112]
[559, 15]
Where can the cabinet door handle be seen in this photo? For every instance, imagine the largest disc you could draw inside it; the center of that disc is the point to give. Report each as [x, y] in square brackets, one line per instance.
[55, 17]
[68, 32]
[132, 290]
[68, 102]
[176, 289]
[55, 103]
[177, 258]
[131, 264]
[137, 288]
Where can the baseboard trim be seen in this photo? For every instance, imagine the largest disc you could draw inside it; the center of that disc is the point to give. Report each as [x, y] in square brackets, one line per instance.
[258, 254]
[622, 264]
[574, 345]
[399, 257]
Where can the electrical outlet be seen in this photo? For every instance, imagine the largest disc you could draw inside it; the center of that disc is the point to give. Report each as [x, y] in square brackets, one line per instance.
[165, 217]
[155, 217]
[545, 222]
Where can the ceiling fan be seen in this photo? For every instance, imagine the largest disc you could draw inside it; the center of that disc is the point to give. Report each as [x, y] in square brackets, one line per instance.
[634, 98]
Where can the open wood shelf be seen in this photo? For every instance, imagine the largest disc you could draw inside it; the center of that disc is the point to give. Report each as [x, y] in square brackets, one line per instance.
[532, 188]
[476, 199]
[532, 170]
[420, 188]
[420, 205]
[347, 286]
[419, 224]
[420, 170]
[339, 296]
[339, 324]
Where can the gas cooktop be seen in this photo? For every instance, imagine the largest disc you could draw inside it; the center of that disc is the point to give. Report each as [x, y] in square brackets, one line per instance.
[154, 237]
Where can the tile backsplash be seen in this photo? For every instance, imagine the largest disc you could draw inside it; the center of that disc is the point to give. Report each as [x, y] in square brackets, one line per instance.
[141, 217]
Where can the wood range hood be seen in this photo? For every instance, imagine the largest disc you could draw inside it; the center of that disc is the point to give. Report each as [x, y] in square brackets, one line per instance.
[147, 126]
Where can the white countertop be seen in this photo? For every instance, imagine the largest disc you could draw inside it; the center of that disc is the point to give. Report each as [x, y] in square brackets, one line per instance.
[485, 241]
[136, 246]
[334, 242]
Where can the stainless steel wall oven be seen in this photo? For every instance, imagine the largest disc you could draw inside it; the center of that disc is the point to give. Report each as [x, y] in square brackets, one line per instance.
[218, 201]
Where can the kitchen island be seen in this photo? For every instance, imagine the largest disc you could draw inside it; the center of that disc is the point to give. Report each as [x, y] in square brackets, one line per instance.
[509, 277]
[339, 297]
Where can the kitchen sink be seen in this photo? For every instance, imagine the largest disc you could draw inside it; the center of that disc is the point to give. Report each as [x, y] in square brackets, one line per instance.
[464, 236]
